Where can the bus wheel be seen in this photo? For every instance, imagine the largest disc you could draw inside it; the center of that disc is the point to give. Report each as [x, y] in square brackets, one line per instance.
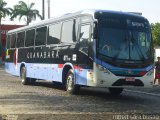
[70, 85]
[23, 78]
[32, 81]
[115, 91]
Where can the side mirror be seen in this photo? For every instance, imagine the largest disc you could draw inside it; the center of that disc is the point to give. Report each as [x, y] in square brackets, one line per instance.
[95, 30]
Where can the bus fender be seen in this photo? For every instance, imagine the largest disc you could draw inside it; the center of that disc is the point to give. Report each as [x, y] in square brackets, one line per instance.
[21, 65]
[65, 70]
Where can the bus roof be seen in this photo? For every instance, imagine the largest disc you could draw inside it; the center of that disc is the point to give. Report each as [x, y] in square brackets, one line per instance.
[71, 15]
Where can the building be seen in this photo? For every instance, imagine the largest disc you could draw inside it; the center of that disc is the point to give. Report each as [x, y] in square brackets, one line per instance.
[4, 30]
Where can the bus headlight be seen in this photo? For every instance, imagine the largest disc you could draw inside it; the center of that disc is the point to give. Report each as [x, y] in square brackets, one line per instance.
[103, 69]
[151, 72]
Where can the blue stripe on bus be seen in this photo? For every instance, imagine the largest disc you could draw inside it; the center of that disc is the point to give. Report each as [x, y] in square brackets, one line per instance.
[112, 68]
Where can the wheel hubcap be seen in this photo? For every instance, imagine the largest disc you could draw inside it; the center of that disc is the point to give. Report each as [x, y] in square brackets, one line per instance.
[69, 83]
[22, 76]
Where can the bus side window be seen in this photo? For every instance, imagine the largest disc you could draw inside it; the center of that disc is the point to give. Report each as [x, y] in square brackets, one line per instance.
[84, 38]
[40, 36]
[54, 34]
[67, 32]
[20, 39]
[30, 38]
[8, 42]
[13, 40]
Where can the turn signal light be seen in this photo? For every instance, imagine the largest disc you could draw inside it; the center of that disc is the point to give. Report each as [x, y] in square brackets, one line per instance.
[142, 73]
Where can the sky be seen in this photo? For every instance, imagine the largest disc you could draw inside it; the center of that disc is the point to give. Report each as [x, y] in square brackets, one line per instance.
[149, 8]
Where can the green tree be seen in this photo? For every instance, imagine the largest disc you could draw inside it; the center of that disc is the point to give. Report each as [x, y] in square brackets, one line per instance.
[156, 33]
[22, 9]
[4, 11]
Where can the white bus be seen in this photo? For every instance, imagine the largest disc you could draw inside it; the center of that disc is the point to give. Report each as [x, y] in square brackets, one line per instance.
[96, 48]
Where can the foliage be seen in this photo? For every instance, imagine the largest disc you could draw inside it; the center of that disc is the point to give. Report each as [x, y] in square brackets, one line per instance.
[4, 11]
[22, 9]
[156, 33]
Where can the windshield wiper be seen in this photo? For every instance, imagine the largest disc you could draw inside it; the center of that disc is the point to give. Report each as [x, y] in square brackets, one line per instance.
[124, 44]
[135, 44]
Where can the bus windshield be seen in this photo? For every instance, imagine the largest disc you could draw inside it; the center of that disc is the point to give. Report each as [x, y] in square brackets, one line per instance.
[124, 39]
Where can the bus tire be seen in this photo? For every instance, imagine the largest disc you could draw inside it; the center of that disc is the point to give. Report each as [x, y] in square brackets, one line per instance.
[71, 88]
[115, 91]
[23, 78]
[32, 81]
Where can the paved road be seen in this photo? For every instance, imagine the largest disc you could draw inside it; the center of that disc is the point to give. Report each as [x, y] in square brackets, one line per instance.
[44, 101]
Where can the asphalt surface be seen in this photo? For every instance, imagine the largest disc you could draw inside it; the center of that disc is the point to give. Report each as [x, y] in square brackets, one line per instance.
[45, 101]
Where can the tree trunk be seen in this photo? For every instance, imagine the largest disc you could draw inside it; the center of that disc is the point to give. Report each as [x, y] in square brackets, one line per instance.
[28, 20]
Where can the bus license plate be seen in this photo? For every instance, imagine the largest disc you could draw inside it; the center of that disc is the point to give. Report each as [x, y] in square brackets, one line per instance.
[130, 79]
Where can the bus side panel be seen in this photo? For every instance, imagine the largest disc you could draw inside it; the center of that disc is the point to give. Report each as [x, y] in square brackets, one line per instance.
[81, 76]
[11, 65]
[85, 77]
[50, 72]
[12, 68]
[54, 73]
